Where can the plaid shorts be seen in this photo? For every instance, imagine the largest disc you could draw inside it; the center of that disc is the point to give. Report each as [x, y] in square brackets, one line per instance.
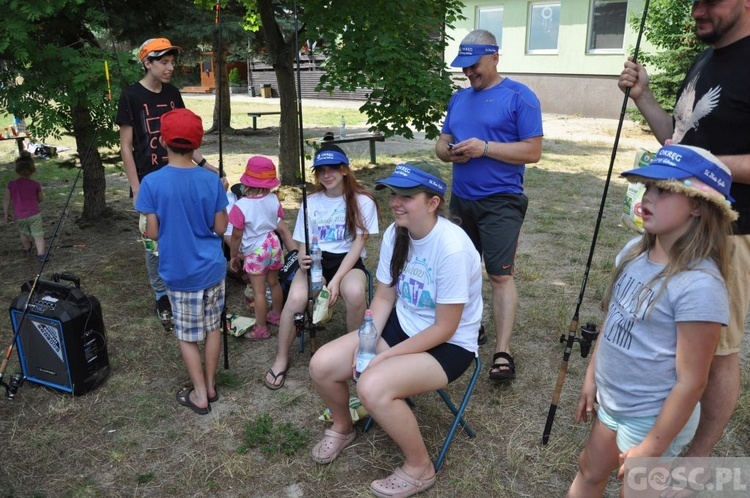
[196, 313]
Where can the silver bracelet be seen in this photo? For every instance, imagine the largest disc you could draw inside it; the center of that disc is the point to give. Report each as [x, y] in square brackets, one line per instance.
[486, 146]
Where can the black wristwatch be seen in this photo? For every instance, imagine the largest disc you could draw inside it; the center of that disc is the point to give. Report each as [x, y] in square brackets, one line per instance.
[202, 162]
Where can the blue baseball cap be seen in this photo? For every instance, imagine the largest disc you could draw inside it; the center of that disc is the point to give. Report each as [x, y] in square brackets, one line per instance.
[468, 55]
[412, 178]
[330, 155]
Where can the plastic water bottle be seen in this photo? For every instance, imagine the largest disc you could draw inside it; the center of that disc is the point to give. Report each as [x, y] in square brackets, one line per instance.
[342, 128]
[316, 269]
[368, 339]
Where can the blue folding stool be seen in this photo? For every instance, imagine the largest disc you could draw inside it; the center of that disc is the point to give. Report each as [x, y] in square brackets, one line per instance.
[457, 414]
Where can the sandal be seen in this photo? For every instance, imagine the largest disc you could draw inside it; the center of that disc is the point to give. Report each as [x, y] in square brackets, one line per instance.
[482, 337]
[504, 371]
[257, 334]
[183, 398]
[400, 485]
[273, 386]
[273, 318]
[331, 445]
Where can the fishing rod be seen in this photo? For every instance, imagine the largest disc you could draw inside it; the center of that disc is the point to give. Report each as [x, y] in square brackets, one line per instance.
[588, 334]
[220, 75]
[11, 387]
[303, 321]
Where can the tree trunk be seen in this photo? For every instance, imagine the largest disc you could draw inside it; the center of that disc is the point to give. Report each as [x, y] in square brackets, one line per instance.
[282, 58]
[222, 106]
[289, 152]
[94, 183]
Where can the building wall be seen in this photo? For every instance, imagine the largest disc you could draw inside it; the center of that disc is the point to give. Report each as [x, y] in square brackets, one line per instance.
[570, 81]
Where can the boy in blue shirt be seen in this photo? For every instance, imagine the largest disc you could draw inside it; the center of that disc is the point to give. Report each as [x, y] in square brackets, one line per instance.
[184, 207]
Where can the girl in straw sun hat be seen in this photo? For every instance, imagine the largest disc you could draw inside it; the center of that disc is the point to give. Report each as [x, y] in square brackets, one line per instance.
[666, 305]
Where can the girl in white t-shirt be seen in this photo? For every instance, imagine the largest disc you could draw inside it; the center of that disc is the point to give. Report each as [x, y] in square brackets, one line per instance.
[666, 305]
[254, 245]
[427, 309]
[342, 214]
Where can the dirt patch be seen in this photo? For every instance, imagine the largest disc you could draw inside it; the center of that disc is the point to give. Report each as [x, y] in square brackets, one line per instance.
[128, 437]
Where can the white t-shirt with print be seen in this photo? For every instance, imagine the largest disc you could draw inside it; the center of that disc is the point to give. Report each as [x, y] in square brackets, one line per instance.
[327, 220]
[441, 268]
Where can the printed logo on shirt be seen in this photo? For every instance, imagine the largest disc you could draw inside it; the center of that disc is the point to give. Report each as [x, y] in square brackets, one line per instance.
[631, 301]
[333, 227]
[415, 282]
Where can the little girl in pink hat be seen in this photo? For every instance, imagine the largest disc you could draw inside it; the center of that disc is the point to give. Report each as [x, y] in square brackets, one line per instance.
[255, 218]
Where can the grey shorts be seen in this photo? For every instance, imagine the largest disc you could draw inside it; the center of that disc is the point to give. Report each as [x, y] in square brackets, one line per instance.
[197, 313]
[493, 224]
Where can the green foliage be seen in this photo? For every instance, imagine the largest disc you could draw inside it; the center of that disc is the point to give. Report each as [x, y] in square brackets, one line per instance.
[394, 48]
[234, 76]
[670, 28]
[145, 478]
[272, 438]
[54, 63]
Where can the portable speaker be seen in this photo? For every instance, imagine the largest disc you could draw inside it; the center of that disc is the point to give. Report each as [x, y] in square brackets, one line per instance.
[61, 343]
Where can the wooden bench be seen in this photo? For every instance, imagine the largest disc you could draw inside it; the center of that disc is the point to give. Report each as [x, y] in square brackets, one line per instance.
[256, 115]
[316, 143]
[19, 140]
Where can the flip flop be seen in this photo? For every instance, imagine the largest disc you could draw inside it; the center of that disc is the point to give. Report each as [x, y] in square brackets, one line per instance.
[273, 386]
[183, 398]
[215, 397]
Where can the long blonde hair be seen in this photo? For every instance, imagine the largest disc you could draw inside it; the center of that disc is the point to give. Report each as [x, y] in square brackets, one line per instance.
[707, 238]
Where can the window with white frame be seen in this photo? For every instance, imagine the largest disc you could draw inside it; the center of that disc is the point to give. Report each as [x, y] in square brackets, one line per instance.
[544, 27]
[491, 19]
[607, 25]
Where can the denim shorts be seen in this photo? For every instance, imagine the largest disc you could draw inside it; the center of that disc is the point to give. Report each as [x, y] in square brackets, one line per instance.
[197, 313]
[631, 431]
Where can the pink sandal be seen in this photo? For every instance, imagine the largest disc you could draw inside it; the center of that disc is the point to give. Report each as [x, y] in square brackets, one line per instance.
[257, 333]
[273, 318]
[400, 485]
[331, 445]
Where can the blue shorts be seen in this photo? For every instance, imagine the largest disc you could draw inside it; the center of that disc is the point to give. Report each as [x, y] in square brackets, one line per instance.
[454, 359]
[197, 313]
[631, 431]
[493, 224]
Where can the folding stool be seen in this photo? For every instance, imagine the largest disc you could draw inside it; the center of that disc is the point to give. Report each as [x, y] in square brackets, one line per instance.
[457, 414]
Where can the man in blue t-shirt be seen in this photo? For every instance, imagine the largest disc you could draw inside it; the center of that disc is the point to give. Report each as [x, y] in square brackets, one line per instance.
[490, 132]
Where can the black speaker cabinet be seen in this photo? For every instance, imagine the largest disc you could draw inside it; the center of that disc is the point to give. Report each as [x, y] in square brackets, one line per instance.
[61, 343]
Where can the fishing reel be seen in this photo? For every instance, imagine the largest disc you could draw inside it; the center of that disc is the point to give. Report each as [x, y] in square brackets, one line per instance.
[11, 388]
[589, 333]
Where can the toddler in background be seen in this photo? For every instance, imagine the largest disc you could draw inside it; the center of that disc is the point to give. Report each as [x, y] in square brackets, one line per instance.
[24, 195]
[254, 245]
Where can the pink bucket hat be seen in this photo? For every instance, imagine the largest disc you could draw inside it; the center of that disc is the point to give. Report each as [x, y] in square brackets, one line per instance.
[260, 173]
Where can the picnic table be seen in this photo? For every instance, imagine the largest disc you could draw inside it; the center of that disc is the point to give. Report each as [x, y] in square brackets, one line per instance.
[316, 143]
[19, 140]
[256, 115]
